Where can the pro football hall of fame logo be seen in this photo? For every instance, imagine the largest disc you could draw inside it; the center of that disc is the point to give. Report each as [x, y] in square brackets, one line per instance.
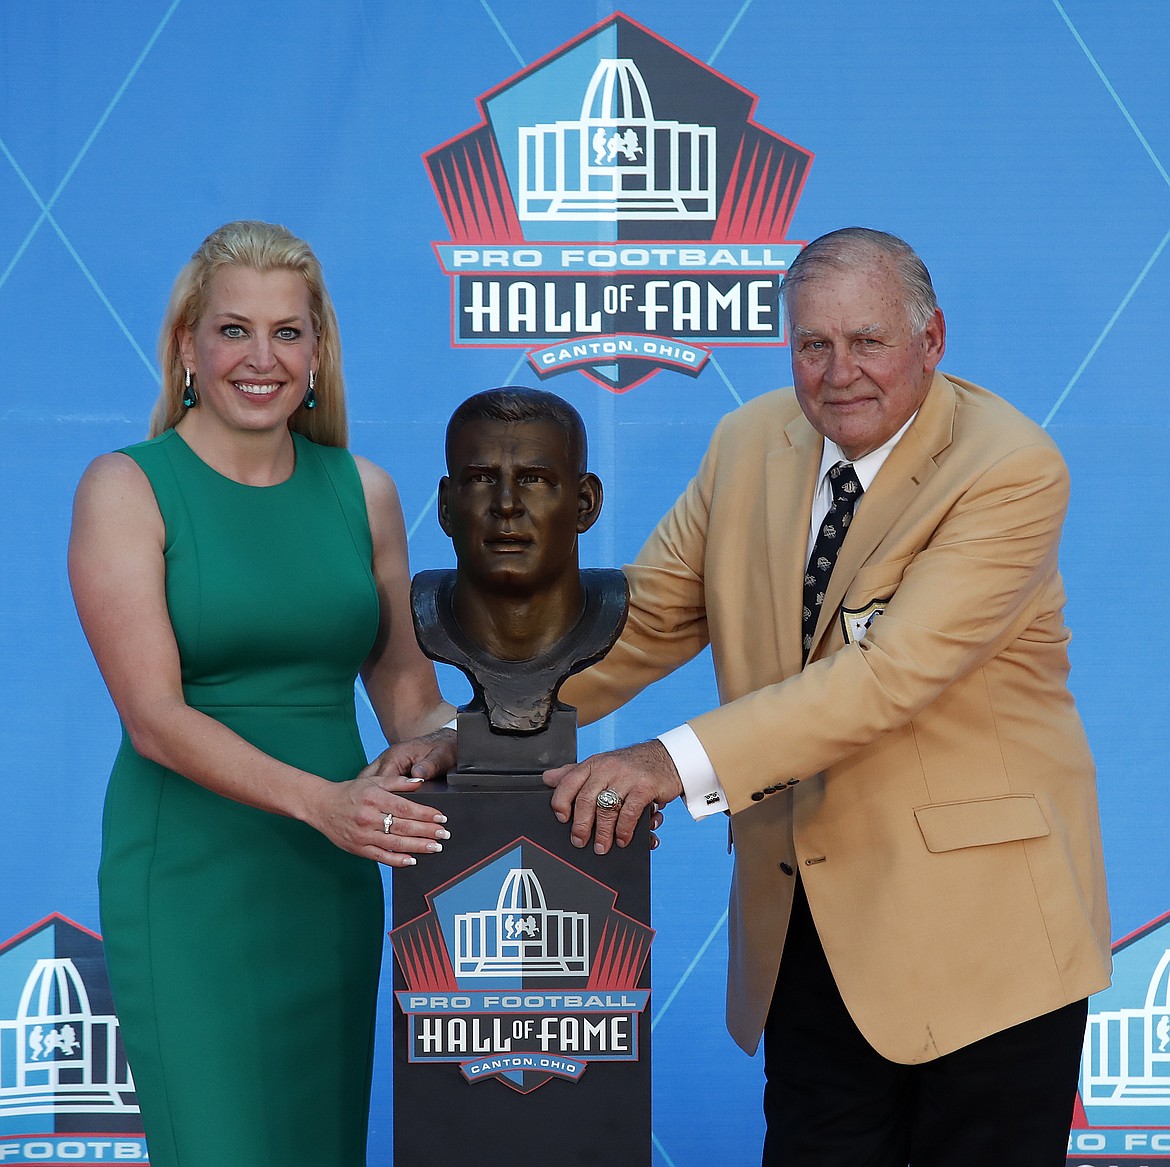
[1122, 1117]
[66, 1094]
[617, 211]
[521, 970]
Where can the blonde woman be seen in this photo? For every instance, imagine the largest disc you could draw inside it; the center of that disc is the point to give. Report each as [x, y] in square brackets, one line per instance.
[233, 574]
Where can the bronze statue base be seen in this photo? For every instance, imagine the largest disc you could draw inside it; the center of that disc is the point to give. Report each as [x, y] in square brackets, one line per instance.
[511, 761]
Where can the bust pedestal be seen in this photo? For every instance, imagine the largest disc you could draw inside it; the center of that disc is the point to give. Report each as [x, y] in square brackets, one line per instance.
[521, 963]
[522, 987]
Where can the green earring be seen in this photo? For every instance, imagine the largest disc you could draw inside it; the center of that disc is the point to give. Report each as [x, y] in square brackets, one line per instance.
[190, 397]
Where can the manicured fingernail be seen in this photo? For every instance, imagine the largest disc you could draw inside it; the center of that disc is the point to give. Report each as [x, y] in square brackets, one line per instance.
[409, 861]
[442, 834]
[433, 847]
[440, 818]
[416, 780]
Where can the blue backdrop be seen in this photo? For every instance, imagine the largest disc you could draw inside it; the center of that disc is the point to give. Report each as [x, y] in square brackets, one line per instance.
[1021, 145]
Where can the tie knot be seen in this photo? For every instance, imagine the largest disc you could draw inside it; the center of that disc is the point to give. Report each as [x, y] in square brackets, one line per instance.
[844, 484]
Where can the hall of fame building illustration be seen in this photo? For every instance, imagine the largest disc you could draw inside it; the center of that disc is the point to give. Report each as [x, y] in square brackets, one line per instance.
[521, 935]
[56, 1054]
[1126, 1059]
[1123, 1104]
[61, 1055]
[617, 161]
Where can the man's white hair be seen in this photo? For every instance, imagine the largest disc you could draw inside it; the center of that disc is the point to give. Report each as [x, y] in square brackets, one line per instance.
[854, 246]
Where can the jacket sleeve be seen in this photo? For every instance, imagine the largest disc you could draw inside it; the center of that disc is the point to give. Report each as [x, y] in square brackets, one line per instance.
[667, 623]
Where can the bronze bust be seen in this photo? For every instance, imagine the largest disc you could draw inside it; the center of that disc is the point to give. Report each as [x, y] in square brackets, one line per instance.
[517, 615]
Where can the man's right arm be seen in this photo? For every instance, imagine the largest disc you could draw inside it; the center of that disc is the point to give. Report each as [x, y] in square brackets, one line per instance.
[702, 790]
[667, 623]
[666, 627]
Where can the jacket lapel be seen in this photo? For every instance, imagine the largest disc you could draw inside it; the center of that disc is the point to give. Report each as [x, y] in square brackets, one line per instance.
[789, 479]
[908, 468]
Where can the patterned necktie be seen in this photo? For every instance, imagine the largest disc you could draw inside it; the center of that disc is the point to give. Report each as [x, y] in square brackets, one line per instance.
[847, 491]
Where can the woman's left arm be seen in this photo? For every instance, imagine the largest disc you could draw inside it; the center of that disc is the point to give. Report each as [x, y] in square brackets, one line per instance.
[399, 679]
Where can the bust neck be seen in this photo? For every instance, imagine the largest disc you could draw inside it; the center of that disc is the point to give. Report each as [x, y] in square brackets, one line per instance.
[518, 694]
[518, 628]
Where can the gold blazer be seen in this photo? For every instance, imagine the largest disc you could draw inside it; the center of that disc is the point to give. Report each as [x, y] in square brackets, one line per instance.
[928, 776]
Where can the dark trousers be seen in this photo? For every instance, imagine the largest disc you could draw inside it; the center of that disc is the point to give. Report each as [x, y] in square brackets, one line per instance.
[830, 1100]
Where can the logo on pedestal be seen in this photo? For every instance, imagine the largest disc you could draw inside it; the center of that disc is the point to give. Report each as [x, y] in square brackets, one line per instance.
[520, 936]
[522, 970]
[617, 211]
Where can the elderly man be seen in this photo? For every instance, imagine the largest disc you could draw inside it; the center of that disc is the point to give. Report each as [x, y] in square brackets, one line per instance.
[918, 906]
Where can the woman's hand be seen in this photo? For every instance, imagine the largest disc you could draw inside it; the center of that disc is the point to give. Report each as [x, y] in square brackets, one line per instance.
[368, 816]
[656, 821]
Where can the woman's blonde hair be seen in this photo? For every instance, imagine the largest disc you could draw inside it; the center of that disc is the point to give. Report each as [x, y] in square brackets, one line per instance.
[263, 247]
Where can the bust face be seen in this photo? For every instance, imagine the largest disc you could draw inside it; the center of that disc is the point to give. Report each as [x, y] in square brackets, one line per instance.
[513, 504]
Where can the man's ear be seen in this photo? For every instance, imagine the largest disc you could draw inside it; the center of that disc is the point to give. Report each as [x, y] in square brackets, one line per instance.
[444, 516]
[936, 341]
[589, 496]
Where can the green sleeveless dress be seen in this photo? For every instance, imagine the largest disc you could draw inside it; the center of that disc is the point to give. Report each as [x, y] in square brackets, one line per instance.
[244, 947]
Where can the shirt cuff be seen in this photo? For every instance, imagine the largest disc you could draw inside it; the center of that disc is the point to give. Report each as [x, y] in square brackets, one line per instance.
[701, 789]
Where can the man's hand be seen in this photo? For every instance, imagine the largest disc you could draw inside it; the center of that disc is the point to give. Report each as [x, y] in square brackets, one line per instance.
[429, 756]
[639, 775]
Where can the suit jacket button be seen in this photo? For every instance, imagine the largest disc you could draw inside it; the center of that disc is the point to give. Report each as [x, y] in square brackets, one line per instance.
[786, 868]
[757, 796]
[792, 781]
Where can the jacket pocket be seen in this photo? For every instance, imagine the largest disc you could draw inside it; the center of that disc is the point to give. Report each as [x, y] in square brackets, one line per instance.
[980, 822]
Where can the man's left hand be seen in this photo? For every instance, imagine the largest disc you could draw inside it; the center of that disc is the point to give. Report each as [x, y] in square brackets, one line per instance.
[639, 775]
[420, 758]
